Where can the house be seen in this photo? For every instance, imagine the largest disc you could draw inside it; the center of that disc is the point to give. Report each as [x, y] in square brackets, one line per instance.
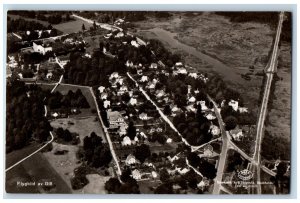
[122, 90]
[215, 130]
[203, 183]
[182, 171]
[106, 104]
[160, 93]
[133, 101]
[126, 141]
[143, 116]
[136, 174]
[208, 150]
[234, 104]
[41, 47]
[115, 119]
[182, 71]
[210, 117]
[104, 95]
[154, 174]
[49, 75]
[192, 99]
[122, 130]
[130, 160]
[174, 158]
[144, 78]
[101, 89]
[55, 115]
[193, 75]
[178, 64]
[139, 72]
[203, 106]
[169, 140]
[134, 43]
[175, 109]
[151, 86]
[243, 109]
[236, 133]
[143, 135]
[114, 75]
[129, 63]
[120, 34]
[153, 66]
[120, 81]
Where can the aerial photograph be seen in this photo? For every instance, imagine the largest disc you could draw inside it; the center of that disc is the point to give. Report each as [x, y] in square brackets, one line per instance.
[148, 102]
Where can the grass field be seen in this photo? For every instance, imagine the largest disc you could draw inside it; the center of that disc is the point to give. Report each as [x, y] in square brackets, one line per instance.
[83, 126]
[16, 155]
[72, 26]
[65, 164]
[279, 122]
[35, 169]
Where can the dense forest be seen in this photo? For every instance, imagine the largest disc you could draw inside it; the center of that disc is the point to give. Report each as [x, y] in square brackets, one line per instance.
[270, 18]
[52, 17]
[25, 119]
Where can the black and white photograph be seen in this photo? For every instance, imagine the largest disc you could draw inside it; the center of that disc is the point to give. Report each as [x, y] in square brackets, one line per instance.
[148, 102]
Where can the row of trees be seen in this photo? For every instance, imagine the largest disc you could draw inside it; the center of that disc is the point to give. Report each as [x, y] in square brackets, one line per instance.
[72, 99]
[25, 115]
[95, 152]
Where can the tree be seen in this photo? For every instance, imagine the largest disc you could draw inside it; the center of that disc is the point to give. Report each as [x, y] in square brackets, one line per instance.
[112, 185]
[164, 175]
[131, 130]
[142, 152]
[83, 27]
[165, 188]
[167, 110]
[194, 159]
[230, 122]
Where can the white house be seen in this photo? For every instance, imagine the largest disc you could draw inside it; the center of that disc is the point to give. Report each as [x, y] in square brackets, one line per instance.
[236, 133]
[101, 89]
[122, 130]
[193, 75]
[203, 106]
[215, 130]
[143, 116]
[243, 109]
[106, 104]
[120, 34]
[130, 160]
[182, 71]
[115, 119]
[169, 140]
[129, 63]
[49, 75]
[54, 114]
[209, 116]
[234, 104]
[153, 66]
[154, 174]
[114, 75]
[178, 64]
[103, 95]
[41, 48]
[136, 174]
[126, 141]
[133, 101]
[192, 99]
[160, 94]
[134, 43]
[144, 78]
